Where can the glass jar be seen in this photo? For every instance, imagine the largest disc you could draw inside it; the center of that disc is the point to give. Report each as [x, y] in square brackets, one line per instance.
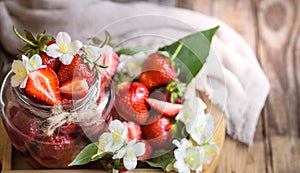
[50, 136]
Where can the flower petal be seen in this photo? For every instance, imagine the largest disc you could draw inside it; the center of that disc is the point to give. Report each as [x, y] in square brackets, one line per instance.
[93, 53]
[130, 162]
[25, 58]
[16, 81]
[53, 51]
[23, 84]
[66, 59]
[116, 125]
[120, 154]
[74, 47]
[140, 149]
[36, 61]
[63, 37]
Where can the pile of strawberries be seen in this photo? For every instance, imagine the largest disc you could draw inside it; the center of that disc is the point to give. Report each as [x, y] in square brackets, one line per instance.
[55, 84]
[146, 108]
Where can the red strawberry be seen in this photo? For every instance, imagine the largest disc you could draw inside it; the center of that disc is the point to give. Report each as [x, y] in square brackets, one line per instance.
[166, 108]
[68, 128]
[131, 102]
[134, 131]
[12, 108]
[76, 68]
[56, 149]
[53, 63]
[110, 59]
[157, 71]
[66, 101]
[153, 116]
[27, 123]
[76, 88]
[50, 42]
[148, 152]
[43, 85]
[159, 134]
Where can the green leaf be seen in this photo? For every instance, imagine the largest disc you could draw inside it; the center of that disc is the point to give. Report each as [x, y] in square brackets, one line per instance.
[193, 54]
[29, 35]
[46, 39]
[43, 47]
[171, 167]
[132, 51]
[98, 156]
[107, 39]
[96, 41]
[162, 161]
[85, 155]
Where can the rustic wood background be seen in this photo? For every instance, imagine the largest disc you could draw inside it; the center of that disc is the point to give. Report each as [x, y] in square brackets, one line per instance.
[272, 28]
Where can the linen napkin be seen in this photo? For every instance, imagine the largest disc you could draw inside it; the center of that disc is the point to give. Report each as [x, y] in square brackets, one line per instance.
[231, 77]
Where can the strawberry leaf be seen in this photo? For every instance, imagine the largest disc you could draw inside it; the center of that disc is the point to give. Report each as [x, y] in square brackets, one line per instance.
[46, 39]
[85, 155]
[162, 161]
[132, 51]
[192, 54]
[29, 35]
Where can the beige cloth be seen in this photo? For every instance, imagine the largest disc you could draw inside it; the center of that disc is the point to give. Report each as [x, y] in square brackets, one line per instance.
[234, 79]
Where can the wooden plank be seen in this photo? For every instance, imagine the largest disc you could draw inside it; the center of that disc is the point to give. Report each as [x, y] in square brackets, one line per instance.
[240, 15]
[279, 47]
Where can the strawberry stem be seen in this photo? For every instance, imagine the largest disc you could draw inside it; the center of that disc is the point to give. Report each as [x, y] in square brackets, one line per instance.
[22, 38]
[178, 49]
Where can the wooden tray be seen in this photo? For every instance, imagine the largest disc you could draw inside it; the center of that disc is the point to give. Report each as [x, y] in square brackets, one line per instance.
[13, 162]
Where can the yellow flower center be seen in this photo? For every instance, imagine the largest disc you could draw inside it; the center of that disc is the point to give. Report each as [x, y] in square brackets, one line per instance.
[116, 136]
[208, 152]
[189, 160]
[131, 153]
[101, 145]
[20, 72]
[32, 62]
[63, 48]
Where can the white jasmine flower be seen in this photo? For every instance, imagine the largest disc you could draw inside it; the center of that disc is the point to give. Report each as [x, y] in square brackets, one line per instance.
[129, 153]
[34, 63]
[64, 48]
[188, 157]
[132, 65]
[202, 130]
[21, 74]
[193, 112]
[93, 53]
[23, 68]
[104, 140]
[118, 134]
[209, 149]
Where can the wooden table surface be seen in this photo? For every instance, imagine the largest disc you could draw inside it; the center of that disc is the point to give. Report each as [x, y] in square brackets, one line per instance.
[272, 28]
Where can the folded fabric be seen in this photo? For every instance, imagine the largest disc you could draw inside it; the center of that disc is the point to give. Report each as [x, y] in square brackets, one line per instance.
[231, 76]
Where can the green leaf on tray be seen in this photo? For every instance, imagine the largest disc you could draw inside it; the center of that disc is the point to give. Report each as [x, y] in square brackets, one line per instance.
[85, 155]
[132, 51]
[193, 54]
[162, 161]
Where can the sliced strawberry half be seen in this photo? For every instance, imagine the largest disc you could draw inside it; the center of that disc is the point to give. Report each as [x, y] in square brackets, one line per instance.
[76, 88]
[43, 85]
[166, 108]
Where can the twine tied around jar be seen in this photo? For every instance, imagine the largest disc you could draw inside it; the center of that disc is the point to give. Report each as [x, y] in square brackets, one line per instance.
[91, 112]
